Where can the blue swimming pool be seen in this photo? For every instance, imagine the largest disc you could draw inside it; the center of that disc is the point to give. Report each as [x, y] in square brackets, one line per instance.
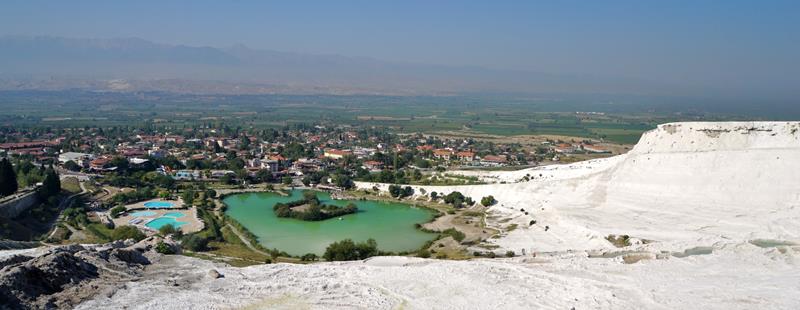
[175, 214]
[143, 213]
[158, 204]
[163, 221]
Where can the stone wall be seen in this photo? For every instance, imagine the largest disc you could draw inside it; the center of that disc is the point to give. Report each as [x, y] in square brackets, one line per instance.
[11, 208]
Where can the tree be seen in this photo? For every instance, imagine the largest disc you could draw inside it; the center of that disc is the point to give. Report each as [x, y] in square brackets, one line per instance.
[117, 210]
[343, 181]
[395, 190]
[264, 175]
[8, 178]
[188, 197]
[287, 180]
[407, 191]
[454, 198]
[51, 185]
[121, 163]
[71, 166]
[164, 248]
[349, 250]
[488, 201]
[310, 257]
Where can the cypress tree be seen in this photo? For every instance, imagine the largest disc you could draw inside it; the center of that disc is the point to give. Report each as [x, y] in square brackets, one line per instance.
[51, 185]
[8, 178]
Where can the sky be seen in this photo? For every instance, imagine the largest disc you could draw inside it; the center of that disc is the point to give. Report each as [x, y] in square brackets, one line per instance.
[728, 43]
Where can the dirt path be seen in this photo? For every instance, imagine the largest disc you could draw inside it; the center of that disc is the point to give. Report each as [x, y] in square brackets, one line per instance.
[247, 241]
[61, 206]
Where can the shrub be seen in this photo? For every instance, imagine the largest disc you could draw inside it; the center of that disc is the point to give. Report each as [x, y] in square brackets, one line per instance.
[168, 229]
[395, 190]
[424, 253]
[488, 200]
[452, 232]
[164, 248]
[194, 243]
[510, 254]
[349, 250]
[455, 198]
[127, 232]
[310, 257]
[116, 211]
[407, 191]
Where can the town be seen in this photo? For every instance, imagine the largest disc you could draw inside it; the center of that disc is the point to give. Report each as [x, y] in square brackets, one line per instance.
[311, 155]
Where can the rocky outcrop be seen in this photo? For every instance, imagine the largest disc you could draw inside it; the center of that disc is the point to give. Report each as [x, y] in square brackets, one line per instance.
[63, 276]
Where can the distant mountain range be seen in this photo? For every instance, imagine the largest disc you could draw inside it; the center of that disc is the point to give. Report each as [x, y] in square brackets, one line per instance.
[132, 64]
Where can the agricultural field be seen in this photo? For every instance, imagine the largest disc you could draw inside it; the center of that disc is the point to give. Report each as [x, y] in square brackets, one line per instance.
[620, 123]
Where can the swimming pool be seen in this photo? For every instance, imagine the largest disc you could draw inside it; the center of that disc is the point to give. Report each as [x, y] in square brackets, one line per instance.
[158, 204]
[163, 221]
[175, 214]
[143, 213]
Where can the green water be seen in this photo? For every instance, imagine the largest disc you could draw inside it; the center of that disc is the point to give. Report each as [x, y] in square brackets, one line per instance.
[390, 224]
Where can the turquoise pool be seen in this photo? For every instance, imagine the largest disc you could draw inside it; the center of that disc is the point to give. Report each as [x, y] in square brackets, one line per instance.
[175, 214]
[143, 213]
[162, 221]
[158, 204]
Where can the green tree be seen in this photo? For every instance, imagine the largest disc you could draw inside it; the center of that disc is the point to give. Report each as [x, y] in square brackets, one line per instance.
[488, 200]
[71, 166]
[121, 163]
[264, 175]
[51, 185]
[349, 250]
[188, 197]
[8, 178]
[117, 210]
[395, 190]
[343, 181]
[164, 248]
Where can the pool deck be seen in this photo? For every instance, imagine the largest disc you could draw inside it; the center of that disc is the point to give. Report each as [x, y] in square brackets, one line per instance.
[193, 224]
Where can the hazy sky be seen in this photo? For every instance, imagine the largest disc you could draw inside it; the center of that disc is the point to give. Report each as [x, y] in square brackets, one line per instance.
[716, 43]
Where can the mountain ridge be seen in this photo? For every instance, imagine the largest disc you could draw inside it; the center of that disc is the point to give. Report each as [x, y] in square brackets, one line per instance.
[35, 58]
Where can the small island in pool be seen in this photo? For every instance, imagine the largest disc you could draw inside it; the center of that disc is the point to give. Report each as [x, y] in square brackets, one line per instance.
[310, 209]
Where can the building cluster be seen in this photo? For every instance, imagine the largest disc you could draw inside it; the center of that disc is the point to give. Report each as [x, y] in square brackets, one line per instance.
[196, 154]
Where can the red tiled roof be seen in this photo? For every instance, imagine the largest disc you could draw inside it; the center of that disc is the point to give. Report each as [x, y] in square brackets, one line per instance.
[493, 158]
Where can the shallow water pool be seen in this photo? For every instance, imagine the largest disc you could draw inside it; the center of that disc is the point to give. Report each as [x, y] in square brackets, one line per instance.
[163, 221]
[158, 204]
[143, 213]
